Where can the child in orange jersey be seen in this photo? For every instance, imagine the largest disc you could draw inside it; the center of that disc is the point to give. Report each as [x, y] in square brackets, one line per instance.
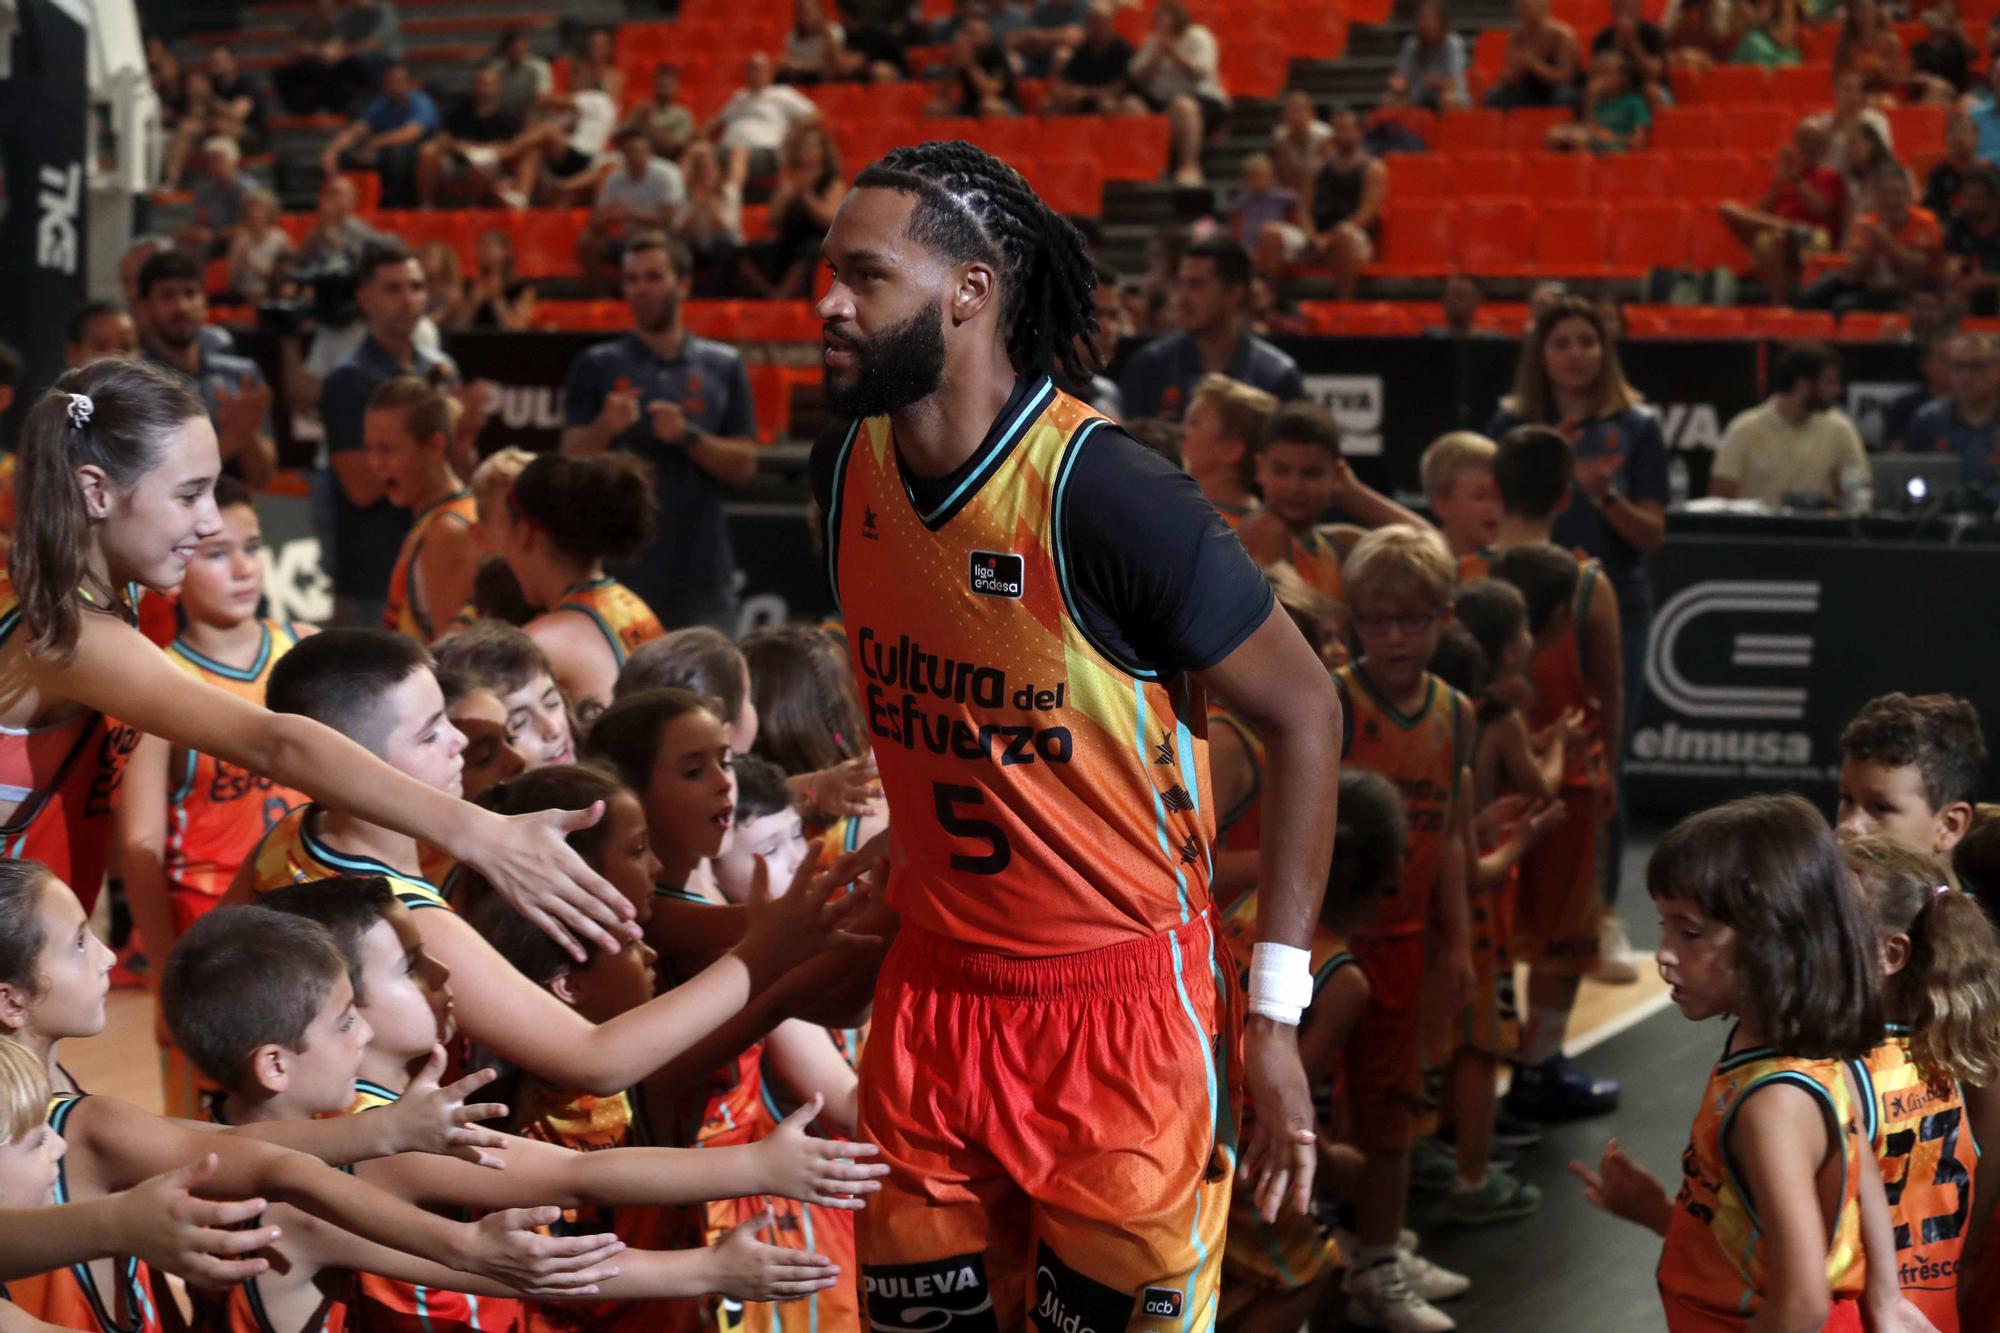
[409, 427]
[186, 820]
[1910, 769]
[285, 980]
[1781, 1221]
[477, 712]
[502, 658]
[1415, 730]
[1457, 472]
[1225, 422]
[53, 983]
[1928, 1088]
[1275, 1273]
[564, 518]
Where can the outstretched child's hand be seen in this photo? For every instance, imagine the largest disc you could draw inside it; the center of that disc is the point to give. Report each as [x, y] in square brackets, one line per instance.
[1623, 1188]
[1544, 818]
[440, 1120]
[822, 1171]
[528, 860]
[162, 1223]
[750, 1270]
[848, 788]
[506, 1247]
[781, 933]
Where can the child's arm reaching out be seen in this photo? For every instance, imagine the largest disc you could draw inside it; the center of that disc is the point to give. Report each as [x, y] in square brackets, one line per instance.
[1623, 1188]
[158, 1221]
[426, 1119]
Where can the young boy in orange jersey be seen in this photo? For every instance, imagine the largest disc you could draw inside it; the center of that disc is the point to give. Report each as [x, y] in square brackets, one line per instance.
[1225, 422]
[1910, 769]
[1418, 732]
[408, 432]
[1573, 615]
[326, 1004]
[1457, 472]
[186, 821]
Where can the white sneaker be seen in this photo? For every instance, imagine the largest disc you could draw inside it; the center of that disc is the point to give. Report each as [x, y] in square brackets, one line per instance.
[1380, 1297]
[1429, 1280]
[1616, 964]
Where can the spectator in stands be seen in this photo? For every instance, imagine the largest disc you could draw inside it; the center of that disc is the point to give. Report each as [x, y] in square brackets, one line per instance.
[1616, 114]
[1941, 60]
[201, 118]
[880, 31]
[1800, 214]
[1867, 154]
[1797, 442]
[1261, 203]
[1461, 300]
[1054, 29]
[1097, 76]
[213, 339]
[644, 193]
[336, 235]
[1972, 245]
[308, 81]
[260, 247]
[1961, 159]
[596, 60]
[476, 145]
[1769, 34]
[164, 72]
[978, 78]
[1102, 392]
[494, 296]
[1966, 421]
[1430, 67]
[816, 48]
[568, 143]
[442, 282]
[753, 123]
[232, 388]
[1541, 65]
[1210, 300]
[664, 119]
[1850, 112]
[683, 404]
[100, 329]
[221, 193]
[810, 188]
[367, 530]
[1336, 224]
[1888, 248]
[710, 223]
[387, 137]
[1699, 33]
[1269, 317]
[238, 94]
[1176, 71]
[1868, 47]
[370, 42]
[1569, 378]
[1299, 141]
[1934, 366]
[1642, 44]
[525, 78]
[1980, 108]
[1925, 311]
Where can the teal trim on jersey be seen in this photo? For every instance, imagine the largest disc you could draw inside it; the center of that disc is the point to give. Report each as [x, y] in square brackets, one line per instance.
[1058, 506]
[223, 669]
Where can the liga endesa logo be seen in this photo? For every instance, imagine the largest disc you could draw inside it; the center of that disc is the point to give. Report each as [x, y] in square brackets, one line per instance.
[997, 574]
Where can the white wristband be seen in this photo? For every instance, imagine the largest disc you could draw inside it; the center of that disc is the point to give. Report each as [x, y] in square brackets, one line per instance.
[1281, 984]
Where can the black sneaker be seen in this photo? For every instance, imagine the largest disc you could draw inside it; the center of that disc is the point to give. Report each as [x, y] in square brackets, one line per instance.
[1512, 1131]
[1559, 1090]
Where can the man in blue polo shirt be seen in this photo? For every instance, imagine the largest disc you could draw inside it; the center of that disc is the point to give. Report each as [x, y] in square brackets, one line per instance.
[366, 530]
[1966, 421]
[1211, 290]
[387, 136]
[682, 403]
[232, 387]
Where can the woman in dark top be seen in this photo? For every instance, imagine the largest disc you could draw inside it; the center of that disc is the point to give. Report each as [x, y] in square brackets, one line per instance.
[1569, 379]
[809, 189]
[493, 296]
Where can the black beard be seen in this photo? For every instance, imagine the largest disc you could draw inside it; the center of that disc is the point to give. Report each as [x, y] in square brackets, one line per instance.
[901, 365]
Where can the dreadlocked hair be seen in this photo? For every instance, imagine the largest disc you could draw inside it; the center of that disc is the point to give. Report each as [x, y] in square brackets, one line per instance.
[971, 205]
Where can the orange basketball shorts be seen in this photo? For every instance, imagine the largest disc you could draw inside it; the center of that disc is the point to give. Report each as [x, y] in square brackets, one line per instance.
[1383, 1077]
[1060, 1134]
[1559, 901]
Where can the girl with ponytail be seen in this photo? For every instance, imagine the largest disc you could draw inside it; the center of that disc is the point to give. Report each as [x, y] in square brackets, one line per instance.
[116, 490]
[564, 518]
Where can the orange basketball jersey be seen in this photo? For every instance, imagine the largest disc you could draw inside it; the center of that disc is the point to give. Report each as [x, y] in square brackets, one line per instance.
[403, 614]
[293, 853]
[1241, 827]
[241, 1310]
[1560, 684]
[1928, 1156]
[1712, 1270]
[1475, 566]
[383, 1305]
[1317, 560]
[71, 1297]
[1237, 515]
[216, 811]
[620, 614]
[1050, 799]
[1423, 753]
[61, 779]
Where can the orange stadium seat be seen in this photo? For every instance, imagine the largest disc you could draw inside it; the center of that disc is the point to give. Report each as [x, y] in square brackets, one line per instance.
[1471, 131]
[1688, 127]
[1254, 68]
[776, 321]
[1712, 177]
[1736, 84]
[1134, 147]
[1917, 130]
[1755, 128]
[1496, 236]
[1418, 176]
[1485, 173]
[1818, 42]
[1711, 244]
[1350, 318]
[1650, 234]
[545, 241]
[1803, 85]
[1547, 176]
[1709, 321]
[1626, 177]
[1313, 31]
[1416, 240]
[712, 319]
[1574, 237]
[1874, 325]
[1528, 128]
[1070, 187]
[1800, 324]
[1645, 321]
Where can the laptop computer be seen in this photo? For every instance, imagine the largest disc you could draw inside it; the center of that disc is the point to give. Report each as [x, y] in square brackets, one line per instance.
[1907, 482]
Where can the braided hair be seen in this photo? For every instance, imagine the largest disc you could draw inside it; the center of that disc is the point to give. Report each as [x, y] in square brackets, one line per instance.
[971, 205]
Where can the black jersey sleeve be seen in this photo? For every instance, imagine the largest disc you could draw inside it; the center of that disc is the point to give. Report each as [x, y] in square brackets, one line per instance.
[1154, 576]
